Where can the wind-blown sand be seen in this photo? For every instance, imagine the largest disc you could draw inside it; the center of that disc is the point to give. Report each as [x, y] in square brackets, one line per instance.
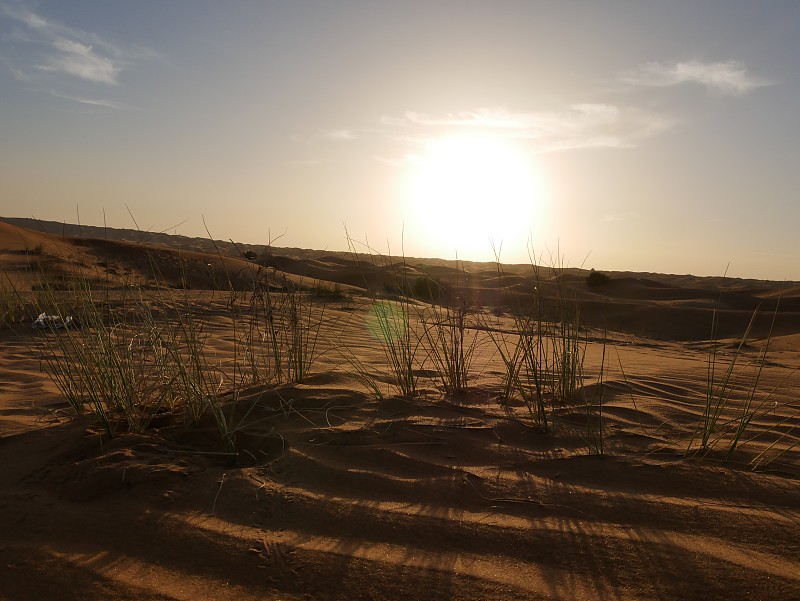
[337, 495]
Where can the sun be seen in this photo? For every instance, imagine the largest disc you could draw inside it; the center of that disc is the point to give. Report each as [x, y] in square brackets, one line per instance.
[467, 192]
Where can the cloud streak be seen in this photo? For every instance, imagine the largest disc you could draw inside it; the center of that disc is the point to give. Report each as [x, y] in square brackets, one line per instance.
[576, 126]
[729, 77]
[51, 47]
[338, 135]
[82, 61]
[90, 101]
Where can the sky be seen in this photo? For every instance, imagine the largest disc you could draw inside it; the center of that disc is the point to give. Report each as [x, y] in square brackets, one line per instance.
[626, 136]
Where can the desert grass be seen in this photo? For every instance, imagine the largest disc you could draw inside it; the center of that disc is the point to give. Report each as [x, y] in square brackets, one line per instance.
[594, 412]
[734, 396]
[390, 320]
[143, 351]
[116, 372]
[11, 305]
[281, 330]
[450, 323]
[390, 323]
[450, 348]
[770, 454]
[543, 355]
[124, 354]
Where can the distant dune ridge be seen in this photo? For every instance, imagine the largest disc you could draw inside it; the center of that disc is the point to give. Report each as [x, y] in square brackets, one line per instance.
[335, 486]
[657, 305]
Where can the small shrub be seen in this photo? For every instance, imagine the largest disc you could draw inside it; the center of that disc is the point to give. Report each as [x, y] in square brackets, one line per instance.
[597, 278]
[10, 304]
[430, 290]
[326, 290]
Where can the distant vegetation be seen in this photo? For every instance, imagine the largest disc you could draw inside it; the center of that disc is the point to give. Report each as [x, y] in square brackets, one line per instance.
[597, 278]
[430, 290]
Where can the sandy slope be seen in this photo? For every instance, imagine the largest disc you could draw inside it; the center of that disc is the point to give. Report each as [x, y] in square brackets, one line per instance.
[337, 495]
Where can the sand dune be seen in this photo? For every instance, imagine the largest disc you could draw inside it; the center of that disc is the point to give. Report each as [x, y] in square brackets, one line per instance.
[336, 493]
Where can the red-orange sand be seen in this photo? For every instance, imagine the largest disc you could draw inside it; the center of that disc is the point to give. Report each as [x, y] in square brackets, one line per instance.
[337, 495]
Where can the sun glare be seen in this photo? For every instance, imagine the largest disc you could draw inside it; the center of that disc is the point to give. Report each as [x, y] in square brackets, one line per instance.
[468, 190]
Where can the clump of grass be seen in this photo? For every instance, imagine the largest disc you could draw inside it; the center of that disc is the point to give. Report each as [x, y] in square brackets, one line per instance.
[282, 330]
[195, 384]
[303, 329]
[452, 353]
[543, 356]
[451, 340]
[278, 329]
[106, 367]
[11, 303]
[257, 330]
[135, 354]
[523, 354]
[361, 372]
[594, 413]
[726, 416]
[748, 409]
[391, 324]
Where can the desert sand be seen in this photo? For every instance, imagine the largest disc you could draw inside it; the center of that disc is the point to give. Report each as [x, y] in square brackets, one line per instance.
[336, 492]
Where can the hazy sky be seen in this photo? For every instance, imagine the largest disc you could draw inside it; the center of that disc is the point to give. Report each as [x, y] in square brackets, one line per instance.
[648, 136]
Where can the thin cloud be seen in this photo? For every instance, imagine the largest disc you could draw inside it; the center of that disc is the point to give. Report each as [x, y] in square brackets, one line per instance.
[338, 135]
[489, 118]
[326, 135]
[577, 126]
[90, 101]
[80, 60]
[729, 77]
[52, 47]
[18, 75]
